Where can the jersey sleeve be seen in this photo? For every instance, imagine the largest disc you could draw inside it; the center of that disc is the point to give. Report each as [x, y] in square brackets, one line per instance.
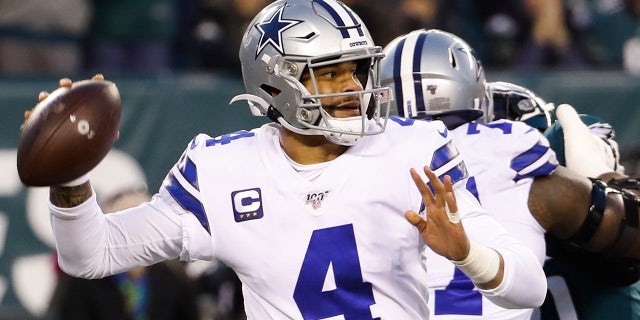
[181, 191]
[446, 159]
[532, 156]
[93, 245]
[531, 153]
[514, 291]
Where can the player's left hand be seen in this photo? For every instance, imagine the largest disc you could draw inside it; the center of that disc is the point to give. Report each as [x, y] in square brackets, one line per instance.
[442, 231]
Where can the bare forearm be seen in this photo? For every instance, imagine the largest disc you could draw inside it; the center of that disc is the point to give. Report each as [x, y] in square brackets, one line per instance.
[571, 217]
[69, 197]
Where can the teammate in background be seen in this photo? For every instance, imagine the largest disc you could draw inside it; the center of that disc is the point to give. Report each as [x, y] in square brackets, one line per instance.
[582, 284]
[435, 75]
[301, 208]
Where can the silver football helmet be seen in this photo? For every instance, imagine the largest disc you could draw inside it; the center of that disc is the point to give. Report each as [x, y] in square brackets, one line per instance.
[515, 102]
[434, 74]
[289, 38]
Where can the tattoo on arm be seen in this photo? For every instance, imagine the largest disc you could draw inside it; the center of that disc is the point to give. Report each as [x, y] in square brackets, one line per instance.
[68, 197]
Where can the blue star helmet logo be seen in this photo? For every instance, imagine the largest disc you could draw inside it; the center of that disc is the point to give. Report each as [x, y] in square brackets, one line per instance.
[272, 29]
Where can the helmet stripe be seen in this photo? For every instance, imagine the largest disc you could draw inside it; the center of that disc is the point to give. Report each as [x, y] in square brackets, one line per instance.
[417, 77]
[397, 78]
[405, 74]
[354, 20]
[339, 12]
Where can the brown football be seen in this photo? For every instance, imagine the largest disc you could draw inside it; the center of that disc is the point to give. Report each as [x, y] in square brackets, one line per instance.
[69, 133]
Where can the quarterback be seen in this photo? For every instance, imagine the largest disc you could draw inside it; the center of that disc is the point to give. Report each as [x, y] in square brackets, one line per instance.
[323, 213]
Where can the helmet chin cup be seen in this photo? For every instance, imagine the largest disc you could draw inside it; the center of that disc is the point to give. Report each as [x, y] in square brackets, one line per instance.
[345, 131]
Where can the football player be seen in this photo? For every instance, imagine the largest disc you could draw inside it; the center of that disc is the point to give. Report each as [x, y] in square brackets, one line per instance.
[435, 75]
[582, 284]
[300, 208]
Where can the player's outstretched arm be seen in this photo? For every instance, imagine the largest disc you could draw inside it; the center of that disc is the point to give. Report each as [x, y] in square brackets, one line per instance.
[93, 245]
[589, 214]
[443, 232]
[586, 213]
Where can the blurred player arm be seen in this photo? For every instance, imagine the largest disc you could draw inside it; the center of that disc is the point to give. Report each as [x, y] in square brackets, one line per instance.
[599, 213]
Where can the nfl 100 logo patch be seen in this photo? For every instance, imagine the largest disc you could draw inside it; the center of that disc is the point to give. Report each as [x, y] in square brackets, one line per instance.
[315, 199]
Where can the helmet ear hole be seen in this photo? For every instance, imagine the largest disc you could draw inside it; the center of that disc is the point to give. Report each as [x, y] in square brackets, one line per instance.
[452, 59]
[272, 91]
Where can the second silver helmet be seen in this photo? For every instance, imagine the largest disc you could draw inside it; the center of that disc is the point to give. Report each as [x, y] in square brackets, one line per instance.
[433, 73]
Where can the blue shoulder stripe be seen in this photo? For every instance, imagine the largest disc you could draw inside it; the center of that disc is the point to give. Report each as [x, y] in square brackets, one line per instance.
[543, 170]
[188, 170]
[443, 155]
[528, 158]
[186, 200]
[456, 173]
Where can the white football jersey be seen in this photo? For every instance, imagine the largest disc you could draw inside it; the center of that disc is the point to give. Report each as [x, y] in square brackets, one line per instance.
[337, 246]
[502, 157]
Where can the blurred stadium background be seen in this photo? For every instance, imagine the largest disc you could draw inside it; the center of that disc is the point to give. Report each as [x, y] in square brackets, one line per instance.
[168, 103]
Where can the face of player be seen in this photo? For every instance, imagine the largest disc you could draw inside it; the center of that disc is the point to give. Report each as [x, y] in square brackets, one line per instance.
[337, 78]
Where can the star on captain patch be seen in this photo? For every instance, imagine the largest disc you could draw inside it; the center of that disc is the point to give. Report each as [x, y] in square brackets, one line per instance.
[272, 29]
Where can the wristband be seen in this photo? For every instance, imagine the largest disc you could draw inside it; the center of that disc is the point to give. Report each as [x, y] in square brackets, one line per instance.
[76, 182]
[481, 265]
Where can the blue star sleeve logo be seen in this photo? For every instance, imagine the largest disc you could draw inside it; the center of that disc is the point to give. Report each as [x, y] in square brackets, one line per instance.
[272, 29]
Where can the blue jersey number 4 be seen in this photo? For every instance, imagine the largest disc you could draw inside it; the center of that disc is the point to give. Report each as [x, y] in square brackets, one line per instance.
[330, 281]
[458, 297]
